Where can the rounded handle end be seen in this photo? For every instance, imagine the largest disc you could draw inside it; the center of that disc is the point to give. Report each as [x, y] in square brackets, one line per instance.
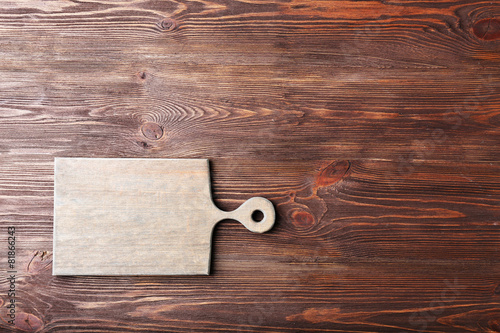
[256, 214]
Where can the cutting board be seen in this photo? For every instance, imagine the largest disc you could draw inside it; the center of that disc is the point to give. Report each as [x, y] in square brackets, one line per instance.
[128, 216]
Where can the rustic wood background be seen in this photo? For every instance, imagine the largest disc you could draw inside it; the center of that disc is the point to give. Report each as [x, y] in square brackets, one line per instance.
[373, 126]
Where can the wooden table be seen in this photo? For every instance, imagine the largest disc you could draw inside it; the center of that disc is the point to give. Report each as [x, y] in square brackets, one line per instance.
[373, 127]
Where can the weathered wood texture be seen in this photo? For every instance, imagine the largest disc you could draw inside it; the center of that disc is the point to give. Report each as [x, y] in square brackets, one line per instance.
[373, 126]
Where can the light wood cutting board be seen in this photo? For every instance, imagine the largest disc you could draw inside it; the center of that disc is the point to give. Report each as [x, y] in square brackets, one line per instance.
[139, 216]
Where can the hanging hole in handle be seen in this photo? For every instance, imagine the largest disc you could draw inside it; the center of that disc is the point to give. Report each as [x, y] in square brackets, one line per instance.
[257, 216]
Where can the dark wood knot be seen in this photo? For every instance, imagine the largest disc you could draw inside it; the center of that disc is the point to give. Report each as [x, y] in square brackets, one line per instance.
[142, 75]
[332, 173]
[152, 131]
[497, 290]
[302, 219]
[27, 322]
[487, 29]
[167, 24]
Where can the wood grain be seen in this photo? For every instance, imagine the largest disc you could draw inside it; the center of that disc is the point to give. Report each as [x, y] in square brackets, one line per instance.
[373, 127]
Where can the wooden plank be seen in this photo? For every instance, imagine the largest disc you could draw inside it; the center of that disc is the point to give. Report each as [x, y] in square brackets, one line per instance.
[372, 126]
[321, 80]
[358, 246]
[157, 212]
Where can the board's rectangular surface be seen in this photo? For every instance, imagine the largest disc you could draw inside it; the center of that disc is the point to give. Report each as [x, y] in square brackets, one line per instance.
[132, 216]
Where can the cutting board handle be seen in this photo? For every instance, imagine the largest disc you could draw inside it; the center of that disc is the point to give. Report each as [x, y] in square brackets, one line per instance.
[249, 211]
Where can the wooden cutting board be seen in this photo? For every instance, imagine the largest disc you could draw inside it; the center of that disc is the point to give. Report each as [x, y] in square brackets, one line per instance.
[139, 216]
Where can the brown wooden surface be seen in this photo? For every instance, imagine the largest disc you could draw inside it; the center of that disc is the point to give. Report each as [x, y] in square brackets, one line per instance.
[373, 126]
